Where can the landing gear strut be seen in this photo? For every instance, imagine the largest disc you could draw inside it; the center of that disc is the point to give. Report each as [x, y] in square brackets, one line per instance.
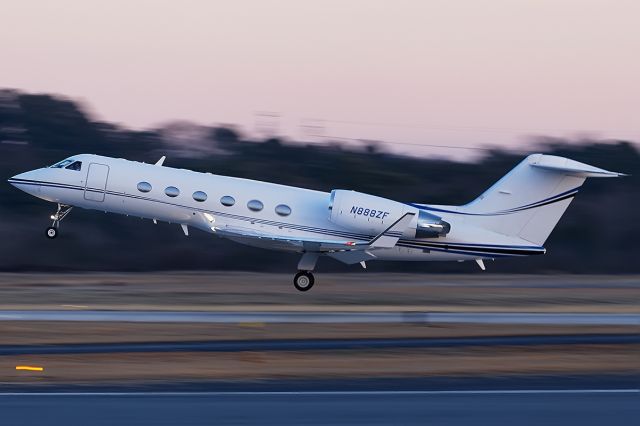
[61, 213]
[303, 280]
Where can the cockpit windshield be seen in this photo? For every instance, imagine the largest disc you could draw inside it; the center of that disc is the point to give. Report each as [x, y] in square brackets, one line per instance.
[62, 164]
[76, 165]
[69, 163]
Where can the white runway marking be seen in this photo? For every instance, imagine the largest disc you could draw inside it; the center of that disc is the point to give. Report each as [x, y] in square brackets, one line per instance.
[323, 317]
[339, 393]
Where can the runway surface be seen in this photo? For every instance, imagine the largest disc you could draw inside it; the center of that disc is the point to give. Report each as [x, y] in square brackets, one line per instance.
[320, 344]
[325, 317]
[478, 407]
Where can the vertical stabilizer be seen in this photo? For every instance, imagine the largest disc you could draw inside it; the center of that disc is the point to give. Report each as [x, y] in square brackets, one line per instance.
[529, 200]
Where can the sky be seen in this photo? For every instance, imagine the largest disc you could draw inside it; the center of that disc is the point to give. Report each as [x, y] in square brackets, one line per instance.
[454, 73]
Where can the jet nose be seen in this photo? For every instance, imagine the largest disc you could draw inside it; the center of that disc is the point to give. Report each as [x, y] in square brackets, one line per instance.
[25, 182]
[19, 178]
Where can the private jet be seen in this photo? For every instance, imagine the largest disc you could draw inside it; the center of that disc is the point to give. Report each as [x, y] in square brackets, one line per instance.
[514, 217]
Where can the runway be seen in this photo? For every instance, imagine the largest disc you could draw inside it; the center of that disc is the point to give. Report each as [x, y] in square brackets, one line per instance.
[320, 344]
[324, 317]
[464, 407]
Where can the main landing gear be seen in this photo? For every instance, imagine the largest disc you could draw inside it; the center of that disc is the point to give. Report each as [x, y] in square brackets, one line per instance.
[61, 213]
[303, 280]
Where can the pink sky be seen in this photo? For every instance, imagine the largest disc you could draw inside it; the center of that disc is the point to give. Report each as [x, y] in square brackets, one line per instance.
[447, 72]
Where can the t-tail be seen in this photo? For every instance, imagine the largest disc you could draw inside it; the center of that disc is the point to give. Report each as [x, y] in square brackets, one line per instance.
[528, 201]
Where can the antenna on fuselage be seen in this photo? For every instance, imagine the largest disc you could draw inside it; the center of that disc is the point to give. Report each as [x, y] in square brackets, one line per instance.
[161, 161]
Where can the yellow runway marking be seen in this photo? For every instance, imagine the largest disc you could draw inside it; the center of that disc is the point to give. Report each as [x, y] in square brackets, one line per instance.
[29, 368]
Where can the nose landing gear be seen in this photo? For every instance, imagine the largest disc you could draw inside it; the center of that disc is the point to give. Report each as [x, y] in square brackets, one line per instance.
[61, 213]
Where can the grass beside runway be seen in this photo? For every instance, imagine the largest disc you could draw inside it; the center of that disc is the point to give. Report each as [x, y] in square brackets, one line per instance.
[176, 367]
[351, 293]
[52, 332]
[358, 291]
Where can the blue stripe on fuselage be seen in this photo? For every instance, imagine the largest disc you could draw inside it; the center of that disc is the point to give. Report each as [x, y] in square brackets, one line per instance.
[471, 249]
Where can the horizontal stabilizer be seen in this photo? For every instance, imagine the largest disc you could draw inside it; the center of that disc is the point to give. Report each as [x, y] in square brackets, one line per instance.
[569, 167]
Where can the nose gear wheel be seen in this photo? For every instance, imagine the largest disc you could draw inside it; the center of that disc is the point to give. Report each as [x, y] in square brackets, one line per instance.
[61, 213]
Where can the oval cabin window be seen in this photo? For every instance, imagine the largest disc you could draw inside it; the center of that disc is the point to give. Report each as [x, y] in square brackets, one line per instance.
[199, 196]
[283, 210]
[255, 205]
[144, 187]
[227, 200]
[172, 191]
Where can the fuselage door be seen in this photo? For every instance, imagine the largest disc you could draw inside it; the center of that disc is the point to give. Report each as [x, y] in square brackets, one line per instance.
[96, 182]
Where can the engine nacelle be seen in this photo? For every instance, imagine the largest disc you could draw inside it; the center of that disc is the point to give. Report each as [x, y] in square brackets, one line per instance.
[371, 215]
[431, 226]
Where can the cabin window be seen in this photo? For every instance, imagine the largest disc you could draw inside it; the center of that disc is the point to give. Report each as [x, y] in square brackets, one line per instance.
[76, 165]
[144, 187]
[283, 210]
[255, 205]
[172, 191]
[199, 196]
[227, 200]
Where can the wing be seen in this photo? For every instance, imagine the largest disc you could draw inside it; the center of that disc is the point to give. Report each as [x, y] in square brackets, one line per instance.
[386, 239]
[253, 237]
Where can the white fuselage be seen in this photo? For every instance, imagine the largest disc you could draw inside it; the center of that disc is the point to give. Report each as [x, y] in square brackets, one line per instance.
[112, 185]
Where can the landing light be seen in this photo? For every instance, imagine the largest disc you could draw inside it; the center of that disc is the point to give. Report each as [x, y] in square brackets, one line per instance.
[53, 217]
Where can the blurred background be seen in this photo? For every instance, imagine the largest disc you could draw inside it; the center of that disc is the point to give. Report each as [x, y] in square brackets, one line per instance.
[425, 102]
[596, 235]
